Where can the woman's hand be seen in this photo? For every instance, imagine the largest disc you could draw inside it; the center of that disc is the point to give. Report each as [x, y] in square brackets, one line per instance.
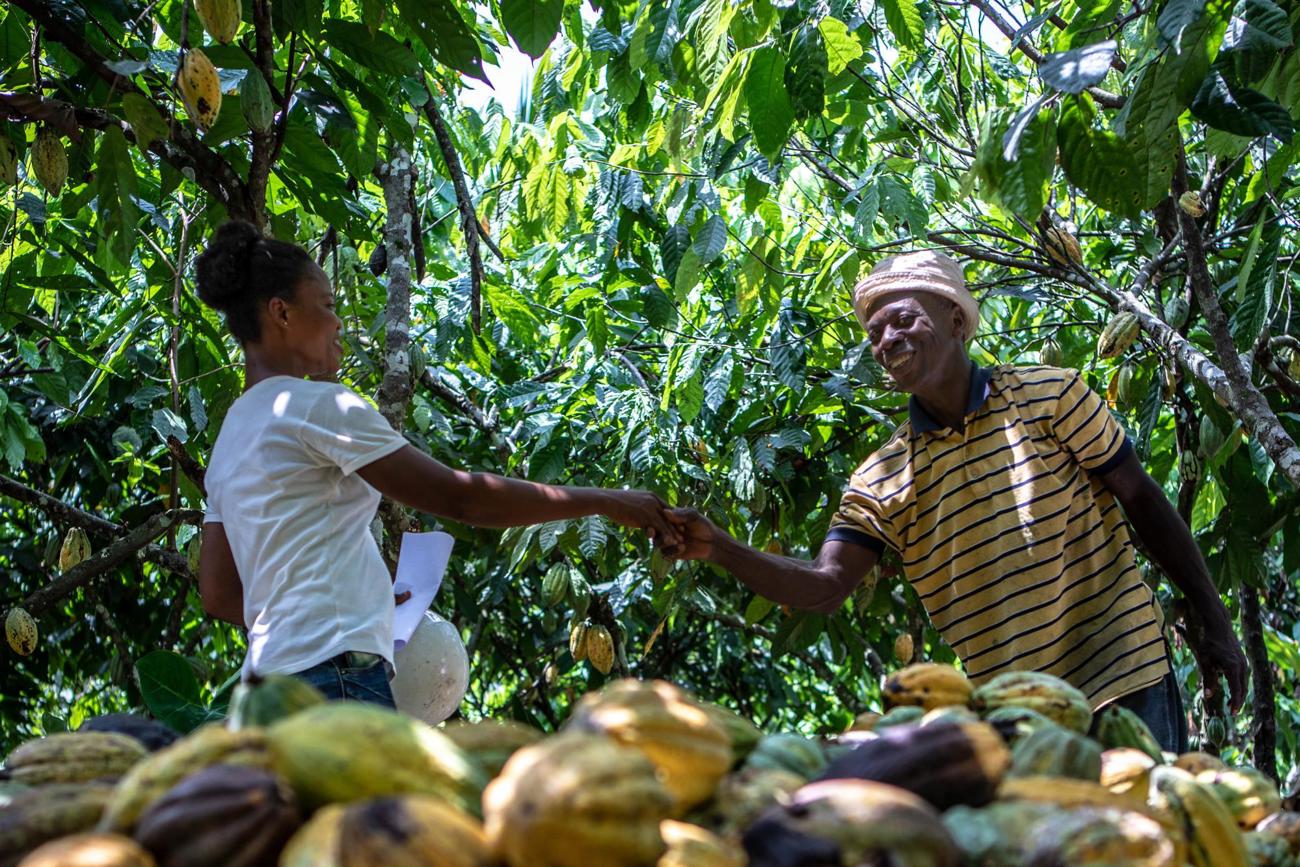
[643, 510]
[697, 532]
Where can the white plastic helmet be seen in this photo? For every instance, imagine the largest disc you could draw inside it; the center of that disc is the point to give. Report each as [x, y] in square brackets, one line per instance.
[432, 671]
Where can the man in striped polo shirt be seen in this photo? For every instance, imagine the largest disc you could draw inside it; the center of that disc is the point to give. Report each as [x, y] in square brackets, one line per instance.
[1006, 494]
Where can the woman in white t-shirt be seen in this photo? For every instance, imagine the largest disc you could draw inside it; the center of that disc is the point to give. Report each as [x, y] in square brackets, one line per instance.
[296, 475]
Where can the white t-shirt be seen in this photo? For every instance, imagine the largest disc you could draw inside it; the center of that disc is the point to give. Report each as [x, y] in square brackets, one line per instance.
[282, 480]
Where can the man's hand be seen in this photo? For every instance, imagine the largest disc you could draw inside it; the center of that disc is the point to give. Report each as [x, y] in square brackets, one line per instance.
[1219, 655]
[643, 510]
[697, 534]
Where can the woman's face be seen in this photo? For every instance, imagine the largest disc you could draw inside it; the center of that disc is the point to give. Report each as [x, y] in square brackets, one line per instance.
[312, 328]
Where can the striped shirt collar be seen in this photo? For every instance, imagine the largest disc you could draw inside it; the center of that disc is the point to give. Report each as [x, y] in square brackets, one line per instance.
[923, 422]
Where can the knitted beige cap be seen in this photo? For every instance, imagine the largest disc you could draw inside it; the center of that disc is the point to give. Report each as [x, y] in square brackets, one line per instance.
[923, 271]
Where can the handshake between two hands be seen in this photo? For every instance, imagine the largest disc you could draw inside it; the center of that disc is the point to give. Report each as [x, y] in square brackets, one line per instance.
[679, 534]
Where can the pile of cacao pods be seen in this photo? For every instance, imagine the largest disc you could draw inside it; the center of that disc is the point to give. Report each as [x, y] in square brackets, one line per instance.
[1017, 771]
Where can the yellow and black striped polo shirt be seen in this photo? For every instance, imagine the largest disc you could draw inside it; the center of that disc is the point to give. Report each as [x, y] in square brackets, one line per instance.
[1020, 554]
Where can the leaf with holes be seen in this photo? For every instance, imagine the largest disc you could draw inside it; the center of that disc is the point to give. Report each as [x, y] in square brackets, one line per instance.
[1099, 162]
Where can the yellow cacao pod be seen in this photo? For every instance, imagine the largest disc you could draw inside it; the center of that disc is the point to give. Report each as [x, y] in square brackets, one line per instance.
[693, 846]
[1190, 203]
[90, 850]
[927, 685]
[1118, 335]
[1126, 771]
[49, 161]
[1196, 762]
[1103, 836]
[903, 648]
[575, 800]
[578, 640]
[1062, 247]
[200, 88]
[1251, 796]
[42, 813]
[491, 742]
[600, 648]
[686, 744]
[410, 831]
[316, 844]
[1213, 837]
[73, 757]
[220, 18]
[8, 162]
[75, 549]
[20, 631]
[1048, 695]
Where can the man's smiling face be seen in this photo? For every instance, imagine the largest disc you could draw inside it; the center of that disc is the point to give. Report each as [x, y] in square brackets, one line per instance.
[911, 334]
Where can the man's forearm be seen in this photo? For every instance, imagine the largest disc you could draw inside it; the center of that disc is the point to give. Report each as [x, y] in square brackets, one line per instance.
[1169, 541]
[785, 580]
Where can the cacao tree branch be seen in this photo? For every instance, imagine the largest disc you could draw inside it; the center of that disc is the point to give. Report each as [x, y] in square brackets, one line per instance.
[187, 464]
[468, 220]
[61, 512]
[109, 558]
[264, 143]
[1263, 704]
[502, 445]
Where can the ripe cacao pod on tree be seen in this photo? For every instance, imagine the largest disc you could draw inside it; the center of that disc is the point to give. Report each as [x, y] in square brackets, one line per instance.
[578, 640]
[903, 648]
[1118, 335]
[1062, 247]
[49, 160]
[600, 648]
[75, 549]
[220, 18]
[20, 631]
[1190, 204]
[200, 88]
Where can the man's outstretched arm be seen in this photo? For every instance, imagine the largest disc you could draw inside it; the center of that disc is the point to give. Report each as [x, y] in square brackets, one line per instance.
[819, 585]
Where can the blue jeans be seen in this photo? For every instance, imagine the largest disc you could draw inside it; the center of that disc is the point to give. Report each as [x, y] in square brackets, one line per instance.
[347, 677]
[1160, 706]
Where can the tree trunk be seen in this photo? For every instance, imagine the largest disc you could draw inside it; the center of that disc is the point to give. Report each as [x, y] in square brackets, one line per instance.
[1261, 674]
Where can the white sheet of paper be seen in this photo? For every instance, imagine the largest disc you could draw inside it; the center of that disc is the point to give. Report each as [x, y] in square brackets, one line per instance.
[420, 566]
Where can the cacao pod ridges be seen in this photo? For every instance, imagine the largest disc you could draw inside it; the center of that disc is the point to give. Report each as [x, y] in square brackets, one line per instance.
[600, 648]
[20, 631]
[257, 103]
[49, 161]
[1062, 247]
[221, 18]
[200, 88]
[75, 549]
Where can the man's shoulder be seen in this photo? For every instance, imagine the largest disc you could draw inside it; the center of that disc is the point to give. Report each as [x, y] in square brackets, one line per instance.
[1038, 377]
[889, 458]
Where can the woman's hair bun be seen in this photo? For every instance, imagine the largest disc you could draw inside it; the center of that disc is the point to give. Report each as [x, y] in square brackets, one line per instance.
[222, 271]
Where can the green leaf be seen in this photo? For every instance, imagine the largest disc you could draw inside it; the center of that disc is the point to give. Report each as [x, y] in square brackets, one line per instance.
[592, 536]
[711, 239]
[805, 73]
[676, 241]
[304, 16]
[1255, 286]
[171, 690]
[770, 112]
[656, 35]
[146, 122]
[758, 608]
[687, 276]
[1165, 88]
[1100, 163]
[743, 482]
[842, 47]
[116, 190]
[1176, 17]
[1090, 20]
[376, 50]
[512, 309]
[444, 32]
[1078, 69]
[597, 328]
[708, 28]
[905, 21]
[1240, 110]
[532, 23]
[690, 398]
[718, 383]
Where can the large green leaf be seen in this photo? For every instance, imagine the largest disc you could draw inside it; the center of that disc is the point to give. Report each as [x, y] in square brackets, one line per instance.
[1175, 17]
[1018, 185]
[441, 27]
[117, 188]
[711, 239]
[1080, 68]
[905, 21]
[1240, 110]
[171, 690]
[532, 23]
[1100, 163]
[842, 47]
[376, 50]
[805, 73]
[770, 111]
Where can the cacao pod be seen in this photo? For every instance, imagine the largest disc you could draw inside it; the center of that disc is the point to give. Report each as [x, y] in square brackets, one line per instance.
[555, 585]
[1116, 726]
[689, 749]
[1118, 335]
[150, 779]
[1213, 838]
[850, 822]
[1126, 771]
[578, 640]
[575, 800]
[200, 88]
[1177, 310]
[89, 850]
[1212, 439]
[1068, 793]
[49, 161]
[999, 834]
[1051, 354]
[927, 685]
[8, 162]
[220, 18]
[194, 554]
[20, 631]
[1048, 695]
[954, 713]
[1014, 722]
[946, 764]
[744, 734]
[315, 750]
[75, 549]
[410, 831]
[153, 734]
[1102, 836]
[600, 648]
[903, 648]
[1196, 762]
[1054, 751]
[257, 103]
[692, 846]
[1126, 386]
[222, 816]
[42, 813]
[1293, 365]
[261, 701]
[1062, 247]
[378, 262]
[903, 715]
[1190, 204]
[316, 844]
[73, 757]
[792, 753]
[1251, 796]
[746, 793]
[491, 742]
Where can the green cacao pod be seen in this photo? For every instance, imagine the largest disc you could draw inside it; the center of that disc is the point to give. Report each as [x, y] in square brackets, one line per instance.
[1285, 825]
[1048, 695]
[8, 162]
[1251, 796]
[744, 734]
[1212, 438]
[1015, 722]
[49, 161]
[256, 102]
[1176, 311]
[1056, 752]
[220, 18]
[261, 701]
[193, 554]
[491, 742]
[1268, 850]
[200, 88]
[788, 752]
[1093, 836]
[578, 640]
[1051, 354]
[75, 549]
[900, 716]
[1127, 386]
[20, 631]
[999, 834]
[555, 585]
[1118, 335]
[42, 813]
[1116, 726]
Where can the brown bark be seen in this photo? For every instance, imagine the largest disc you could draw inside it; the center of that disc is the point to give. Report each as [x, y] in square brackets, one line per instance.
[1263, 704]
[468, 220]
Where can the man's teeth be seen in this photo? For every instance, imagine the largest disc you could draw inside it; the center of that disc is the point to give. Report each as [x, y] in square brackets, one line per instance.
[900, 360]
